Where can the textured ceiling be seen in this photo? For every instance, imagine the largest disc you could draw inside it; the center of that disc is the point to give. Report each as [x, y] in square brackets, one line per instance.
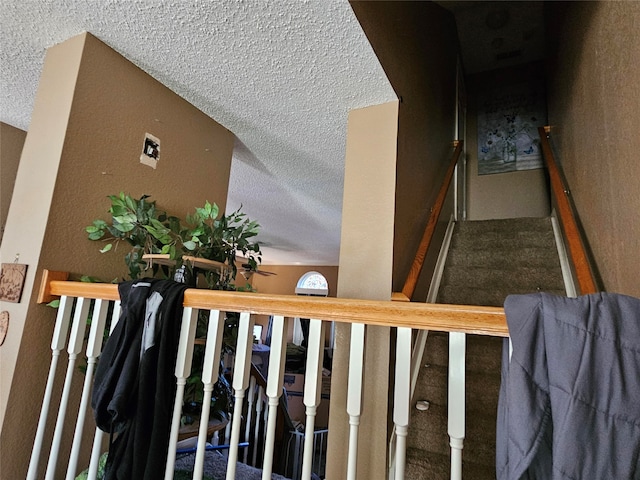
[280, 74]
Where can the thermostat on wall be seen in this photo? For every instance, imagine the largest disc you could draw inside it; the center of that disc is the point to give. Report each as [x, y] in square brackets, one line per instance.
[150, 151]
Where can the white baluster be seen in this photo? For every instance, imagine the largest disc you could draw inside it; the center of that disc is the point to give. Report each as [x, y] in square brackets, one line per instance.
[354, 394]
[210, 370]
[96, 451]
[256, 430]
[183, 370]
[76, 340]
[402, 398]
[456, 414]
[94, 347]
[312, 390]
[241, 370]
[250, 410]
[275, 382]
[58, 341]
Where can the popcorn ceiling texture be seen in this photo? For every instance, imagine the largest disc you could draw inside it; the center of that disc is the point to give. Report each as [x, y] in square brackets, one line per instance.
[282, 75]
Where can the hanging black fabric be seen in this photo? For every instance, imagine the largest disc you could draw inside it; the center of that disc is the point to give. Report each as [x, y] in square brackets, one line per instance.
[135, 384]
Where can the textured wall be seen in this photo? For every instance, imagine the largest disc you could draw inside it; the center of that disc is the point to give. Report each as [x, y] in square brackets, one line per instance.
[11, 142]
[594, 113]
[417, 46]
[92, 111]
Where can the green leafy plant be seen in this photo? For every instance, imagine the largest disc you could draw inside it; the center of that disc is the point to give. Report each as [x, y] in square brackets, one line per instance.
[204, 234]
[141, 225]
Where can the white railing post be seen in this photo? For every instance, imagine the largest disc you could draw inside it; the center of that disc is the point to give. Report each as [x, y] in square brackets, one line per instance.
[275, 380]
[456, 414]
[94, 347]
[259, 403]
[354, 394]
[402, 398]
[58, 342]
[241, 370]
[251, 395]
[312, 390]
[183, 370]
[76, 339]
[210, 372]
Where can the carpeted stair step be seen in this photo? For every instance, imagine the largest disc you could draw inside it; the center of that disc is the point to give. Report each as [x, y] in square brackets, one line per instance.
[526, 257]
[509, 277]
[433, 466]
[487, 261]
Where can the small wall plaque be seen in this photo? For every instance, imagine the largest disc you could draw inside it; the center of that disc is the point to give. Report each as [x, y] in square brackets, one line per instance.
[12, 280]
[4, 326]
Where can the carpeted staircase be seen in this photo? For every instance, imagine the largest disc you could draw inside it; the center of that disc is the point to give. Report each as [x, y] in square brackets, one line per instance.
[487, 261]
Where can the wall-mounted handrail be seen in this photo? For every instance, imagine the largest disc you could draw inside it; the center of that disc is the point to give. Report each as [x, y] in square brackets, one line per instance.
[418, 262]
[567, 217]
[442, 317]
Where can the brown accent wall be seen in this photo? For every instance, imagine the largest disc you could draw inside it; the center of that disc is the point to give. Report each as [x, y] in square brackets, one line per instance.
[594, 113]
[91, 113]
[11, 142]
[417, 45]
[506, 195]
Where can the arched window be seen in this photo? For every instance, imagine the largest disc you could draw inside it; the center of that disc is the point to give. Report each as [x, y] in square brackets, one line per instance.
[312, 283]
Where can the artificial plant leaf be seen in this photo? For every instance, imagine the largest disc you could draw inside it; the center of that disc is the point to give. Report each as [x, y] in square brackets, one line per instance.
[189, 245]
[106, 248]
[124, 227]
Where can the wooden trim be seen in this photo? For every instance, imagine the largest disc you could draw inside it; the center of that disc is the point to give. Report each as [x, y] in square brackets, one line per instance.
[45, 295]
[566, 215]
[418, 262]
[446, 318]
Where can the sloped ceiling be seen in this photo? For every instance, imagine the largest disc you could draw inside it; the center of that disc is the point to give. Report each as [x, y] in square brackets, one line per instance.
[281, 74]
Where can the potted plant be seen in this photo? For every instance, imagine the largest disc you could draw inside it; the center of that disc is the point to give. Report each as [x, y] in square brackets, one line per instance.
[145, 229]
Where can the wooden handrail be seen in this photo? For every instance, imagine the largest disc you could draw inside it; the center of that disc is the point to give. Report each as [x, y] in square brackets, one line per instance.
[575, 245]
[441, 317]
[418, 262]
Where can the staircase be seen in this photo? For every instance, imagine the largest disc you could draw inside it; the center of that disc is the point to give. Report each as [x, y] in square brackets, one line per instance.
[487, 261]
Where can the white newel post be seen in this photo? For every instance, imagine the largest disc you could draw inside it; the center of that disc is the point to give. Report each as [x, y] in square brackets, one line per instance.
[402, 398]
[354, 394]
[241, 369]
[183, 370]
[312, 390]
[275, 382]
[456, 422]
[76, 339]
[210, 370]
[58, 342]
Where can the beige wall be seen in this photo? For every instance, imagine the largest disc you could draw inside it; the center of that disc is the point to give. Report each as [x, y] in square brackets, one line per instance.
[594, 113]
[11, 143]
[417, 45]
[90, 116]
[366, 263]
[506, 195]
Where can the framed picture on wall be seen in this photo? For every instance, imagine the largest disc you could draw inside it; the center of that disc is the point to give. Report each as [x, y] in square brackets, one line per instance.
[508, 121]
[12, 279]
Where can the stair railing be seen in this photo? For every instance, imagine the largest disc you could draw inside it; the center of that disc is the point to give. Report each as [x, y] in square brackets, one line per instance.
[415, 350]
[567, 216]
[418, 262]
[404, 316]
